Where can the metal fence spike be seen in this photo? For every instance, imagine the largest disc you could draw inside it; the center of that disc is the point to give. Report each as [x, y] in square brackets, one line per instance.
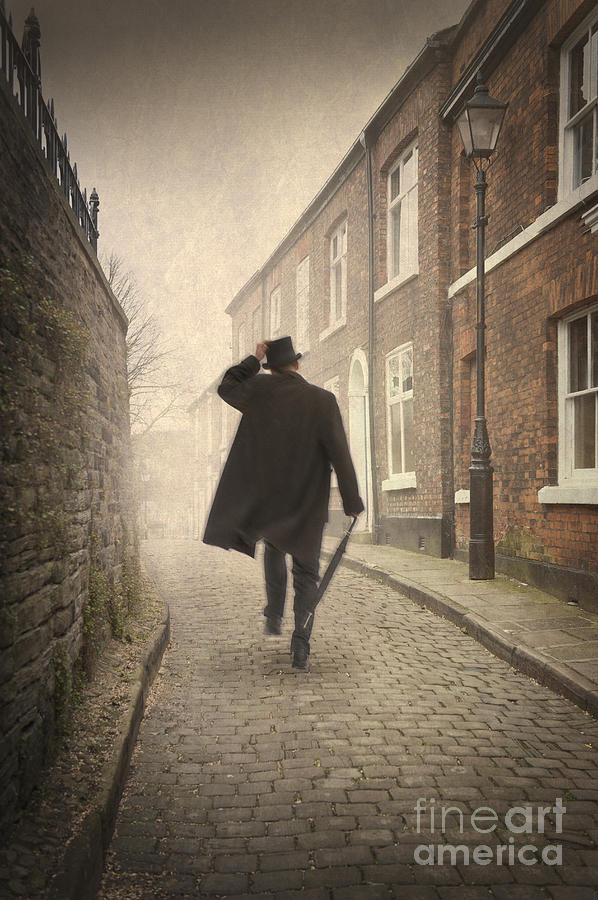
[23, 75]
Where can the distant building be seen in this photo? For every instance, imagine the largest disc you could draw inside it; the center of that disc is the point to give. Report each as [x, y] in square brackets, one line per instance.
[164, 478]
[211, 424]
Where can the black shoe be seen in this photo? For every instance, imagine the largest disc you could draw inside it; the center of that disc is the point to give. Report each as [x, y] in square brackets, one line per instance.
[273, 625]
[301, 659]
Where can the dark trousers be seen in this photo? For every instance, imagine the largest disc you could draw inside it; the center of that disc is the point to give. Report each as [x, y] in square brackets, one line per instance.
[305, 584]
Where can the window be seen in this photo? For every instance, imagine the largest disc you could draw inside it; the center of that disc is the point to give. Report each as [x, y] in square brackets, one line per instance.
[578, 411]
[579, 106]
[402, 216]
[399, 399]
[578, 357]
[209, 425]
[241, 340]
[275, 312]
[256, 326]
[223, 427]
[334, 386]
[338, 274]
[303, 305]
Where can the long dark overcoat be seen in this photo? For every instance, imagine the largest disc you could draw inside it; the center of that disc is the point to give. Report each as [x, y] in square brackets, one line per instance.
[276, 481]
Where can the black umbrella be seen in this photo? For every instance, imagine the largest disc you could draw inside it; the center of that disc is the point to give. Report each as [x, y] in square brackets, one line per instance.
[332, 567]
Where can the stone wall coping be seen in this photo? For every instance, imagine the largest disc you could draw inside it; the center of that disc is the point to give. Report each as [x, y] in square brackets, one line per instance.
[91, 255]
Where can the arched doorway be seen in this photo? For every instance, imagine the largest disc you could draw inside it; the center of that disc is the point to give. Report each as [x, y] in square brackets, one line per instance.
[359, 433]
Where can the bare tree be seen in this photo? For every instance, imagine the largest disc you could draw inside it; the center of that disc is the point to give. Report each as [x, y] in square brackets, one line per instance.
[153, 396]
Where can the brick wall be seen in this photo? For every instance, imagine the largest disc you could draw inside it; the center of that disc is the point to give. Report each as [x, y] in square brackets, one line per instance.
[417, 310]
[526, 295]
[66, 456]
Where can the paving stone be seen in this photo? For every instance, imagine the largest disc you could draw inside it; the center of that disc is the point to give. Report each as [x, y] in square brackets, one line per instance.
[518, 892]
[218, 883]
[361, 892]
[572, 893]
[279, 880]
[333, 876]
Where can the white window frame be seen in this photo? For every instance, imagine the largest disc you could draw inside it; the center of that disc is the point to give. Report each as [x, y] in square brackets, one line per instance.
[302, 299]
[334, 386]
[224, 427]
[275, 304]
[256, 325]
[196, 432]
[396, 481]
[241, 340]
[575, 485]
[398, 270]
[209, 425]
[338, 269]
[567, 124]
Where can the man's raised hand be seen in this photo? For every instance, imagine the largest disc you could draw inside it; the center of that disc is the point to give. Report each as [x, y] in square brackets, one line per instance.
[260, 350]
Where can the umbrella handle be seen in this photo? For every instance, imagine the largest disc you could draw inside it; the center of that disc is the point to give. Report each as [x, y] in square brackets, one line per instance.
[347, 533]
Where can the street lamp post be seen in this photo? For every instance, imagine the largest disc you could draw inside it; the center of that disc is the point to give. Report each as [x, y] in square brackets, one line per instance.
[479, 125]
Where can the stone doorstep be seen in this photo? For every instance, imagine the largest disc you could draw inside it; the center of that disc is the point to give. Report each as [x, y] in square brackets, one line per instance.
[568, 667]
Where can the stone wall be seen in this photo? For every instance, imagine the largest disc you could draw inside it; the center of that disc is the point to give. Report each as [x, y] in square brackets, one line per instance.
[65, 502]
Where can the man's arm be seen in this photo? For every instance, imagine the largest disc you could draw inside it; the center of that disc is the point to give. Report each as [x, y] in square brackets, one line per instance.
[337, 450]
[233, 387]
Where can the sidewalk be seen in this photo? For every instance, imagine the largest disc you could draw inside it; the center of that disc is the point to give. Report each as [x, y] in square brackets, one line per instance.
[545, 638]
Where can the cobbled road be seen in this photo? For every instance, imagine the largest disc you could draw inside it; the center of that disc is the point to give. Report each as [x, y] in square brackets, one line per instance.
[252, 780]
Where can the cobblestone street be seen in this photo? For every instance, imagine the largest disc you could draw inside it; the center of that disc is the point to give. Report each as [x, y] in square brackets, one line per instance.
[252, 779]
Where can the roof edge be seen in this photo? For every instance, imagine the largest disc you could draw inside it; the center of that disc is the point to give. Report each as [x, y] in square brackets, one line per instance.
[500, 39]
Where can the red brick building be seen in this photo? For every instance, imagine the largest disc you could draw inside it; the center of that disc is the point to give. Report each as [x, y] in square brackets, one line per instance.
[542, 288]
[376, 284]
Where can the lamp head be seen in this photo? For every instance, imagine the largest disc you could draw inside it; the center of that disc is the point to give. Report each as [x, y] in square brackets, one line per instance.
[480, 122]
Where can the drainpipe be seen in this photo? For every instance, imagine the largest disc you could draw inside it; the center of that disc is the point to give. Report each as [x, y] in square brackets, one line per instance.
[371, 337]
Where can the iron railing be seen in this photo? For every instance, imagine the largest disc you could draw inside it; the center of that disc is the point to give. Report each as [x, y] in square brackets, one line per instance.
[22, 70]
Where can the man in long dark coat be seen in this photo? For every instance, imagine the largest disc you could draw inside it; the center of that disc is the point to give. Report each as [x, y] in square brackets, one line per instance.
[275, 484]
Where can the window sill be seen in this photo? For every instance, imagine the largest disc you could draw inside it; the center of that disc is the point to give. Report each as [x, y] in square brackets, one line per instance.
[336, 326]
[462, 496]
[393, 285]
[586, 494]
[590, 218]
[563, 208]
[400, 482]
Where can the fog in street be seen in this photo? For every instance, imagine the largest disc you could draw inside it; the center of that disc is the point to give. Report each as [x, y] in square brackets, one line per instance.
[207, 126]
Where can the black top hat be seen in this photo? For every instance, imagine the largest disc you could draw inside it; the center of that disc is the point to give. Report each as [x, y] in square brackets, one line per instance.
[280, 353]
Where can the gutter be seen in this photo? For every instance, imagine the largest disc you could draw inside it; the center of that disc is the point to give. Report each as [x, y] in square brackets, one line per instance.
[492, 51]
[375, 513]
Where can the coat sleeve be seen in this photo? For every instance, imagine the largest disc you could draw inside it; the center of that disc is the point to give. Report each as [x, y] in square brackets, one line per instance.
[337, 451]
[234, 387]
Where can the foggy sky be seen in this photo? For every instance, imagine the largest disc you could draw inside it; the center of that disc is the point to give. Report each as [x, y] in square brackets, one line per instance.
[207, 126]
